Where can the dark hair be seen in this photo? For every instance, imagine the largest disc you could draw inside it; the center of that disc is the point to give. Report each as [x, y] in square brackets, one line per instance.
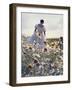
[41, 21]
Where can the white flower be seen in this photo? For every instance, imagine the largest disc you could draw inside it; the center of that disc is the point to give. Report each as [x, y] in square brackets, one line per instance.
[52, 64]
[42, 63]
[47, 59]
[36, 55]
[33, 49]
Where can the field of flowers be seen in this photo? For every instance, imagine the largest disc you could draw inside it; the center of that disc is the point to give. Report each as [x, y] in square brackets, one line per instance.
[41, 62]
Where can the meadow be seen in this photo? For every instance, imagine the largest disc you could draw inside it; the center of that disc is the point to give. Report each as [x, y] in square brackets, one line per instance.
[41, 62]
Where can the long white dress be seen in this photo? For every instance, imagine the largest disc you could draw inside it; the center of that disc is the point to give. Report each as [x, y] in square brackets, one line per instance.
[38, 37]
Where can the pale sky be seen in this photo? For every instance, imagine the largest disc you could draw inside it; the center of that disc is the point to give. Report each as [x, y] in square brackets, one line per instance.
[52, 22]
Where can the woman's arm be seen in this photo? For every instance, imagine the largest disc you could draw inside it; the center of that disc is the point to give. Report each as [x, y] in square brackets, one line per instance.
[35, 28]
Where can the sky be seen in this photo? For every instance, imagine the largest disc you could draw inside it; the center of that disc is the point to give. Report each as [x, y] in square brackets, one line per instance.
[53, 23]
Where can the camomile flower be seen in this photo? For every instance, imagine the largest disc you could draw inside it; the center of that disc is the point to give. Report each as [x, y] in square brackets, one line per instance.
[30, 48]
[30, 66]
[45, 49]
[35, 61]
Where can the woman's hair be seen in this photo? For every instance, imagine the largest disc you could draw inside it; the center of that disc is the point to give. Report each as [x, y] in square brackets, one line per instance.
[42, 21]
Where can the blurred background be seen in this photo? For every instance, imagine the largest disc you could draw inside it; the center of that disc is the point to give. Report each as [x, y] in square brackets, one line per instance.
[53, 24]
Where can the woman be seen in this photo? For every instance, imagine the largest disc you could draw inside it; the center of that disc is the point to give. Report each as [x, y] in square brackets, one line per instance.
[38, 36]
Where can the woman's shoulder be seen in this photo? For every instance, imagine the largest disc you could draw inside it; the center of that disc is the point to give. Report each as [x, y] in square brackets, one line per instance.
[36, 25]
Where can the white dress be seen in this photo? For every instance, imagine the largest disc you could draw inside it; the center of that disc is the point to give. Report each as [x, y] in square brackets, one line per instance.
[38, 36]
